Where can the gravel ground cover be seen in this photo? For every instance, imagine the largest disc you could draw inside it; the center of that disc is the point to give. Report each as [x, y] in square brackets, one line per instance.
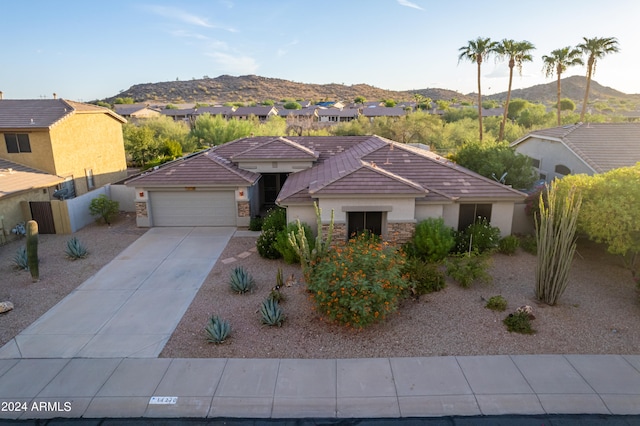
[598, 314]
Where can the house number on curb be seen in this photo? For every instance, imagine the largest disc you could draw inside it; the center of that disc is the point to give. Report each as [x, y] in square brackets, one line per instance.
[163, 400]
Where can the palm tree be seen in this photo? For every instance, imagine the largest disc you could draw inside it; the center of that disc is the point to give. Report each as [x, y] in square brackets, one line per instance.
[595, 48]
[477, 51]
[517, 52]
[558, 62]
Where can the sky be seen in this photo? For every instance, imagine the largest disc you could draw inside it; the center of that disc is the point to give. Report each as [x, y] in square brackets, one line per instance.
[85, 50]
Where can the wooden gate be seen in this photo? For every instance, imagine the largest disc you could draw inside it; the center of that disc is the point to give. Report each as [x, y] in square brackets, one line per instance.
[41, 213]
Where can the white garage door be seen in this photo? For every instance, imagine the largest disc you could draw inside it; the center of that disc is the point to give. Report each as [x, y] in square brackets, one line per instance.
[193, 208]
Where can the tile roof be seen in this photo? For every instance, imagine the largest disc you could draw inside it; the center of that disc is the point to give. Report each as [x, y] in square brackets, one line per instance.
[44, 113]
[16, 178]
[384, 112]
[276, 149]
[333, 112]
[202, 169]
[257, 111]
[602, 146]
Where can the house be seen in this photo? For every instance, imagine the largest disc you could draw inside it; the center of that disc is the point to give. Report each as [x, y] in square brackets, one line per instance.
[262, 113]
[367, 181]
[224, 111]
[178, 114]
[136, 111]
[49, 142]
[333, 115]
[581, 148]
[296, 115]
[372, 113]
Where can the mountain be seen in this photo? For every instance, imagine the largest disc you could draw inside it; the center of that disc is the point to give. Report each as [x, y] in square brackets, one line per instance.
[247, 88]
[253, 88]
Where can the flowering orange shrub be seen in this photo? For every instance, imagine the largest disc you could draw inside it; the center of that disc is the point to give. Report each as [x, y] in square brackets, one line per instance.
[359, 282]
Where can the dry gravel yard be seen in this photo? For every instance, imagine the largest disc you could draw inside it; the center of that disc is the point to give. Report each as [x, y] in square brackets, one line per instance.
[58, 275]
[599, 313]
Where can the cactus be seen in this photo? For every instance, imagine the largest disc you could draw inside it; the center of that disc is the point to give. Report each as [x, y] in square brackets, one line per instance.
[32, 250]
[75, 249]
[308, 256]
[241, 281]
[271, 313]
[217, 329]
[20, 259]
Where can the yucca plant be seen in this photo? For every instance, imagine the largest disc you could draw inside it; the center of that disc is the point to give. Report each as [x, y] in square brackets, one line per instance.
[20, 259]
[272, 313]
[241, 281]
[75, 249]
[217, 329]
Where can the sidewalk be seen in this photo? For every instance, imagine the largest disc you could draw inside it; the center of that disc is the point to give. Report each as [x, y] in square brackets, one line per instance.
[321, 388]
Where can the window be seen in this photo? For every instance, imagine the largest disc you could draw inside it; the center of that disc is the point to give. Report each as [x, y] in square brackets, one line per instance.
[471, 213]
[17, 142]
[90, 182]
[562, 170]
[361, 221]
[535, 162]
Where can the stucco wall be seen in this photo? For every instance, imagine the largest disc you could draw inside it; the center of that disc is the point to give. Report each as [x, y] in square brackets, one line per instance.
[551, 154]
[502, 217]
[41, 155]
[275, 166]
[89, 141]
[398, 209]
[425, 211]
[305, 214]
[11, 212]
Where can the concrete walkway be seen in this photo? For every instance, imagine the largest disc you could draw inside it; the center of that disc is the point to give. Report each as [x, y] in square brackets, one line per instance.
[132, 305]
[94, 355]
[321, 388]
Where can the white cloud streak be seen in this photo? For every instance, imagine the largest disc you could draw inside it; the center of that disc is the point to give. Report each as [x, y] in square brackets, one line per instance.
[407, 3]
[181, 15]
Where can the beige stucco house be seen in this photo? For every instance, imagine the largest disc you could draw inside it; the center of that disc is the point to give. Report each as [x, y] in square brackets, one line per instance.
[584, 148]
[367, 181]
[55, 144]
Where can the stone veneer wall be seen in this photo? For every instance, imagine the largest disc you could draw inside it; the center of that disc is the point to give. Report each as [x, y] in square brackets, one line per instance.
[339, 231]
[141, 209]
[243, 209]
[400, 233]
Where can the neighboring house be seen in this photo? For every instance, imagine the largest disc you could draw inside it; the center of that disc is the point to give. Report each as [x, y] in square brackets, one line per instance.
[224, 111]
[304, 114]
[372, 113]
[178, 114]
[80, 142]
[261, 112]
[333, 115]
[136, 111]
[22, 188]
[369, 182]
[581, 148]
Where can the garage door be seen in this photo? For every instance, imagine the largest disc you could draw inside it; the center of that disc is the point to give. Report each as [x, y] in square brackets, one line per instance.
[194, 208]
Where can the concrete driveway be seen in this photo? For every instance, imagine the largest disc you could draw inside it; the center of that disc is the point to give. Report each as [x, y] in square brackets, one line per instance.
[132, 305]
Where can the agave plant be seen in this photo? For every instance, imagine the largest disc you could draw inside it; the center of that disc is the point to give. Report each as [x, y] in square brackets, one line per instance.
[241, 281]
[271, 312]
[217, 329]
[75, 249]
[20, 259]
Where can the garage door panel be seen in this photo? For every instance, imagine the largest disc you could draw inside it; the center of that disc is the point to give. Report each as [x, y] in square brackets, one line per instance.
[194, 208]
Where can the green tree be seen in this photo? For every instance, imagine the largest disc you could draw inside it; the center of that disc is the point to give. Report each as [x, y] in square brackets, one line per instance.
[495, 160]
[104, 208]
[567, 104]
[166, 129]
[557, 63]
[359, 100]
[292, 105]
[389, 103]
[517, 52]
[140, 143]
[516, 106]
[442, 104]
[595, 48]
[211, 130]
[121, 101]
[477, 51]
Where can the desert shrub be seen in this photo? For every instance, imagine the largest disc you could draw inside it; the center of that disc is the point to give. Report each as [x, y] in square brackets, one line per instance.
[479, 236]
[255, 224]
[75, 249]
[275, 222]
[358, 282]
[20, 259]
[518, 322]
[241, 281]
[423, 277]
[283, 245]
[432, 240]
[508, 245]
[271, 312]
[468, 268]
[529, 244]
[104, 208]
[496, 303]
[217, 329]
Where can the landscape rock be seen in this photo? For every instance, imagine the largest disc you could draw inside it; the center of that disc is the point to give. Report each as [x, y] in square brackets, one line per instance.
[5, 307]
[527, 310]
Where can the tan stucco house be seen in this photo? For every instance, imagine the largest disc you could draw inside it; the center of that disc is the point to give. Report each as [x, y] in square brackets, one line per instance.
[584, 148]
[55, 144]
[367, 181]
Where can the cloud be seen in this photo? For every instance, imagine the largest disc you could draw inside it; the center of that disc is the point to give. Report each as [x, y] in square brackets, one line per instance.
[407, 3]
[234, 64]
[284, 50]
[181, 15]
[188, 34]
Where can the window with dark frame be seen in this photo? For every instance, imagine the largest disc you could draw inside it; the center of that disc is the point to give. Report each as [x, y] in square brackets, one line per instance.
[17, 142]
[471, 213]
[364, 221]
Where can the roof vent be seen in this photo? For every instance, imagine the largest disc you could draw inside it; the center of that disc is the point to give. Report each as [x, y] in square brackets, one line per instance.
[32, 122]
